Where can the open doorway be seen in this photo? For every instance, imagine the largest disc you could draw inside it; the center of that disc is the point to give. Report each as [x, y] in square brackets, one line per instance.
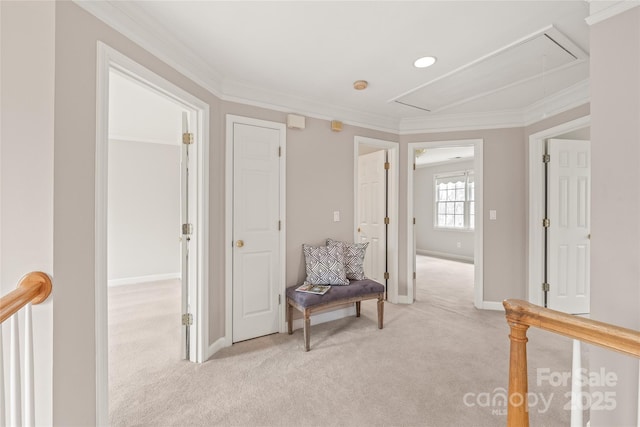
[444, 209]
[145, 211]
[150, 163]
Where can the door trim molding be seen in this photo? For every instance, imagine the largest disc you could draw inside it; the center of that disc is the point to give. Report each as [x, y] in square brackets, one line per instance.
[536, 203]
[478, 162]
[392, 206]
[108, 58]
[230, 120]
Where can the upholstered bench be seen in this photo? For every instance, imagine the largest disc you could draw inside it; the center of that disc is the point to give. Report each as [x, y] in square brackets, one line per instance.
[355, 292]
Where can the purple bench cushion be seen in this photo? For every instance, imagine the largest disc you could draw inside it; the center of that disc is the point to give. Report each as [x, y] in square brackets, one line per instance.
[336, 293]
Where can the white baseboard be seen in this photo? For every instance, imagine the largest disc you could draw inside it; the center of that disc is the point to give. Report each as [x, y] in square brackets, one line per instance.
[218, 345]
[444, 255]
[492, 305]
[143, 279]
[328, 316]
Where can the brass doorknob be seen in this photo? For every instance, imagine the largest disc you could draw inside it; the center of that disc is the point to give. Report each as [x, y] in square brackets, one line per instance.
[240, 243]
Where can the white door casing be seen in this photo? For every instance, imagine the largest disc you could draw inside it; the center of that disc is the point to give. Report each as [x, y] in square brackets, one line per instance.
[257, 238]
[568, 251]
[372, 210]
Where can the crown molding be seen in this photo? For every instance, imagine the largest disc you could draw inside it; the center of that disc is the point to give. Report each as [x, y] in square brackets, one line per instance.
[261, 97]
[461, 122]
[571, 97]
[128, 20]
[602, 10]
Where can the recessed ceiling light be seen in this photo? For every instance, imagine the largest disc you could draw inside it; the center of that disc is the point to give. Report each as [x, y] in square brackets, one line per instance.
[424, 62]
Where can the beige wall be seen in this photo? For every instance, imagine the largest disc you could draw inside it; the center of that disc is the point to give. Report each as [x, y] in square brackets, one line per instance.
[504, 191]
[320, 180]
[27, 33]
[615, 229]
[74, 355]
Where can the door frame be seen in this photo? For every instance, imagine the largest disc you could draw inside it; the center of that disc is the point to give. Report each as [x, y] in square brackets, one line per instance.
[478, 294]
[537, 141]
[392, 149]
[107, 59]
[230, 120]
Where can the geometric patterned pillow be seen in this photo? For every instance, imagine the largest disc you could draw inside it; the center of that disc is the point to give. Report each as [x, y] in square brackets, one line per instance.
[353, 258]
[325, 265]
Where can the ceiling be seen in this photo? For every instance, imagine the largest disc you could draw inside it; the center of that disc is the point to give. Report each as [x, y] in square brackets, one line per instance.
[499, 63]
[440, 155]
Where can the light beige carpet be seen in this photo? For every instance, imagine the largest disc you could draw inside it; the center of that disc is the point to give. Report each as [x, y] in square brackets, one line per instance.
[438, 362]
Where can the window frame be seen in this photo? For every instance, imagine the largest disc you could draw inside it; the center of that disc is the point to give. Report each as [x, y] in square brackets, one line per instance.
[468, 212]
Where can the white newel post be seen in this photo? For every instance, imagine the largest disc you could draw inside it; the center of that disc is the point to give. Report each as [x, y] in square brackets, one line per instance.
[29, 393]
[576, 386]
[3, 419]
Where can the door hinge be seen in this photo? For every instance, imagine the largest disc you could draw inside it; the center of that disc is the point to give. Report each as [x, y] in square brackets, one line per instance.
[279, 225]
[386, 220]
[546, 223]
[279, 151]
[387, 165]
[414, 166]
[187, 229]
[545, 287]
[187, 319]
[414, 275]
[187, 138]
[386, 275]
[414, 220]
[279, 299]
[546, 158]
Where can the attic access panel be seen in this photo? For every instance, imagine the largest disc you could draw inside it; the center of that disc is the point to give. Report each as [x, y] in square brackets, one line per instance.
[512, 65]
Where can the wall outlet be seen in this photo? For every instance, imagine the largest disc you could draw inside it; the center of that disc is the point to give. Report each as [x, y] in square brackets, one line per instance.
[336, 216]
[459, 245]
[493, 215]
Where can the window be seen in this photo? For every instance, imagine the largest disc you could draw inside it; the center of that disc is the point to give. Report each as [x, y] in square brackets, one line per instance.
[455, 196]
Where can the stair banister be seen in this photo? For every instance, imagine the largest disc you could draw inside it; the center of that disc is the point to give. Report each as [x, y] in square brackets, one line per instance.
[521, 315]
[33, 288]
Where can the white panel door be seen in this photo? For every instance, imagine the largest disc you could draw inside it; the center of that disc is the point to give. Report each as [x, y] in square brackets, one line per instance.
[256, 211]
[568, 204]
[372, 208]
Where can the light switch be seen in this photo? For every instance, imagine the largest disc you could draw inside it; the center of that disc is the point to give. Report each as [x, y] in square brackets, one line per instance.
[493, 215]
[336, 216]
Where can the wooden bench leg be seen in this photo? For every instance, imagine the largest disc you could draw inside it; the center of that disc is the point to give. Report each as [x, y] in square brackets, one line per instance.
[290, 318]
[307, 330]
[380, 311]
[358, 308]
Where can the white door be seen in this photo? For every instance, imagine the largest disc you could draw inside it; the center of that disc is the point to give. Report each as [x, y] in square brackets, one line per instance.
[568, 204]
[188, 209]
[256, 235]
[372, 210]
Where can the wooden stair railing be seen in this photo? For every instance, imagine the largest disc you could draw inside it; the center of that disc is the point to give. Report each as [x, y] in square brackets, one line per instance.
[33, 288]
[521, 315]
